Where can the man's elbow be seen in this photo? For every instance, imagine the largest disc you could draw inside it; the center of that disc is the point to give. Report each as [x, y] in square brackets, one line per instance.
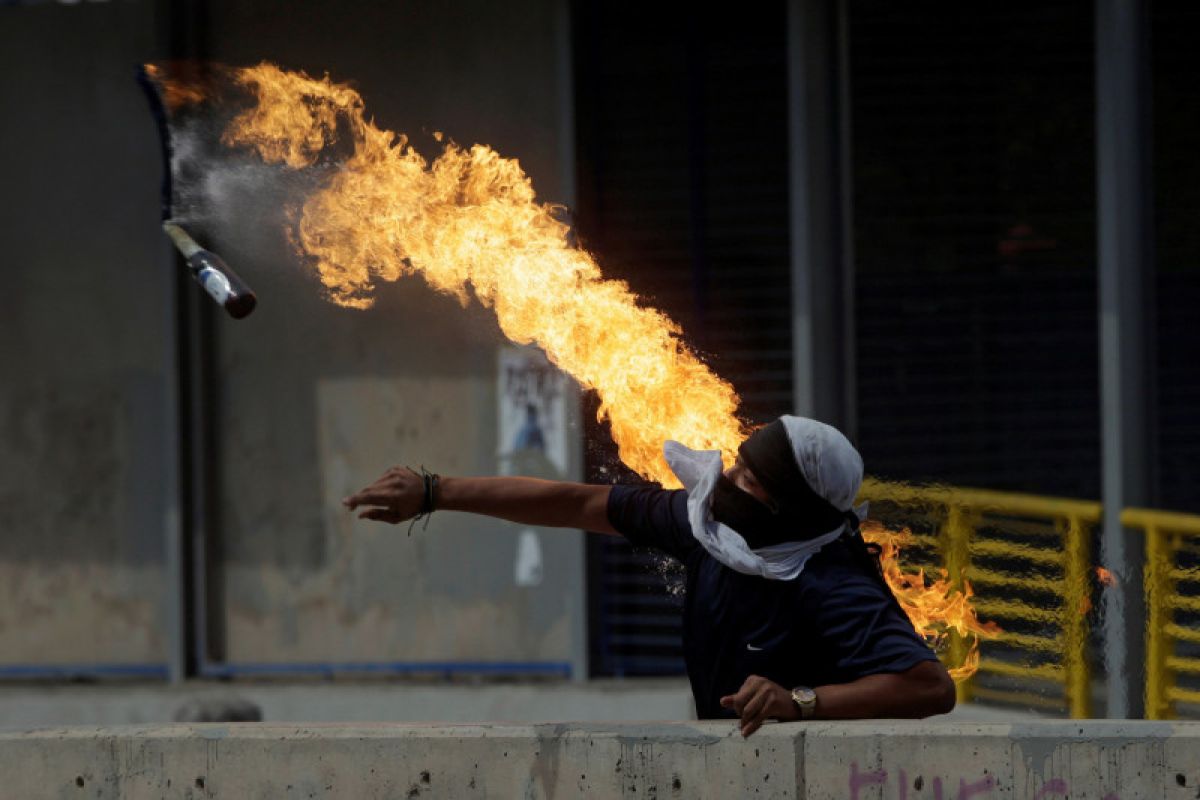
[945, 694]
[947, 697]
[937, 691]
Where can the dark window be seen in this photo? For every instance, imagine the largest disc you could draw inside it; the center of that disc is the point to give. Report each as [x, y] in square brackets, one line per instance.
[974, 240]
[1176, 116]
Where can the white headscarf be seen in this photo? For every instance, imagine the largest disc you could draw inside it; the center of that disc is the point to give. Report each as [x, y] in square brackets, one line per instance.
[827, 460]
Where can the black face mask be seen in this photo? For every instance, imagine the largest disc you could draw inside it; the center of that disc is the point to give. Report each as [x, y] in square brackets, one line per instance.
[799, 514]
[749, 516]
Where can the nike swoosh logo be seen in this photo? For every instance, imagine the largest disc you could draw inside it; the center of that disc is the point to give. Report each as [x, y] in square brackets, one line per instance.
[753, 648]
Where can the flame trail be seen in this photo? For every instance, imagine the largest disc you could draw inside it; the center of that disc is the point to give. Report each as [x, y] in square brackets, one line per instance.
[469, 224]
[175, 93]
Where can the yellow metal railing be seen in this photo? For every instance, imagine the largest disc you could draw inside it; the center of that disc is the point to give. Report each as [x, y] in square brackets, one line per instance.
[993, 540]
[1027, 559]
[1168, 535]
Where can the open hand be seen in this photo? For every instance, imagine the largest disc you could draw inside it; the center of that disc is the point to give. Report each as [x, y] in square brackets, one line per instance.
[757, 701]
[398, 495]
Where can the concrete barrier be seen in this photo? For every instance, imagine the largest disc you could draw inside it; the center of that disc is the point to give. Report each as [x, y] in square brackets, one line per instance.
[936, 760]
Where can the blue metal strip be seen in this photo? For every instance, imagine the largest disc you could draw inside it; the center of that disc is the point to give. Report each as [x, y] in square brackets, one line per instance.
[625, 666]
[84, 671]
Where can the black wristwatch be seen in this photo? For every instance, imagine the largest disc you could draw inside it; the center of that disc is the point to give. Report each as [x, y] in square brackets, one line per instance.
[806, 699]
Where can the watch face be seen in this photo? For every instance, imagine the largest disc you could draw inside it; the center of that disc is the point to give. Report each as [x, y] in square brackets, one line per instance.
[804, 695]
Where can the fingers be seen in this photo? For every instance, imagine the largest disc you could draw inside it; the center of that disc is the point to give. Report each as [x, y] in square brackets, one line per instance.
[755, 706]
[752, 703]
[380, 515]
[398, 495]
[383, 492]
[368, 496]
[738, 700]
[754, 714]
[752, 726]
[358, 498]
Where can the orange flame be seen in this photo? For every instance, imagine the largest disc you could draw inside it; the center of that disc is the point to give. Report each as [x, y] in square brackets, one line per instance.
[936, 608]
[1105, 577]
[175, 93]
[469, 224]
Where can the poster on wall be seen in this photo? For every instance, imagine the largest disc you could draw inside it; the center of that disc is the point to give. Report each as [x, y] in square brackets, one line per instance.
[532, 436]
[533, 415]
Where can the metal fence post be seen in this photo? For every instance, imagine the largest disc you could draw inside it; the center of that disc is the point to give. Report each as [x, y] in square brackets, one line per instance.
[956, 538]
[1157, 577]
[1074, 626]
[822, 269]
[1124, 228]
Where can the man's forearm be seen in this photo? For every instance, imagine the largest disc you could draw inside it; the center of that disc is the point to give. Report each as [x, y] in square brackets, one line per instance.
[920, 692]
[530, 501]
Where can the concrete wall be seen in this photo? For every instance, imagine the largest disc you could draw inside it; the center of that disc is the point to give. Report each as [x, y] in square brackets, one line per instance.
[316, 401]
[694, 760]
[83, 353]
[312, 401]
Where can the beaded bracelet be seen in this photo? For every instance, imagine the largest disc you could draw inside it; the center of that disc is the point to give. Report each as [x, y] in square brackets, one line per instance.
[429, 499]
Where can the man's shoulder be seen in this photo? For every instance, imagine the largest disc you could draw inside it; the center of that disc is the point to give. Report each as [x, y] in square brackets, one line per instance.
[650, 516]
[671, 502]
[831, 560]
[834, 571]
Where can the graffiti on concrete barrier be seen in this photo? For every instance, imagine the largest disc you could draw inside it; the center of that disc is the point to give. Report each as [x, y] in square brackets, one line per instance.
[859, 780]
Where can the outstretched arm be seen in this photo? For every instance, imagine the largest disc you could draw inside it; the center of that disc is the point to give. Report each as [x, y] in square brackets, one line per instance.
[398, 495]
[922, 691]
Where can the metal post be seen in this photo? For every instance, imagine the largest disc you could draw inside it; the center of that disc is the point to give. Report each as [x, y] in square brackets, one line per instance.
[695, 58]
[1076, 560]
[174, 559]
[190, 375]
[1123, 243]
[564, 33]
[175, 526]
[956, 542]
[821, 300]
[1158, 588]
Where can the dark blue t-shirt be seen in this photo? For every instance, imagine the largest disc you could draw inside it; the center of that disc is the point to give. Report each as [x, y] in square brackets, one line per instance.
[835, 623]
